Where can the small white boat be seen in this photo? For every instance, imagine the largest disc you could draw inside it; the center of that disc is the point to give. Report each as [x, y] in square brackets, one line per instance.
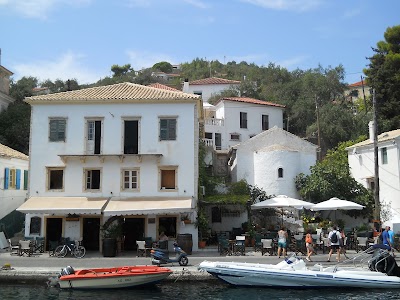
[108, 278]
[373, 268]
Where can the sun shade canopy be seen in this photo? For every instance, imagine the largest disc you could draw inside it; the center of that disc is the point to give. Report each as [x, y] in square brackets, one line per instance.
[63, 205]
[142, 206]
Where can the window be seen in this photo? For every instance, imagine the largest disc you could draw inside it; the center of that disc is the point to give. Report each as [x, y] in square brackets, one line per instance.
[131, 137]
[93, 136]
[243, 120]
[168, 178]
[264, 122]
[167, 225]
[199, 93]
[57, 129]
[36, 224]
[235, 136]
[208, 135]
[280, 173]
[167, 129]
[55, 179]
[130, 179]
[371, 183]
[92, 179]
[12, 178]
[384, 156]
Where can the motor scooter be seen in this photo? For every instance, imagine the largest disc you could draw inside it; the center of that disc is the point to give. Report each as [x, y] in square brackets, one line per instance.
[161, 256]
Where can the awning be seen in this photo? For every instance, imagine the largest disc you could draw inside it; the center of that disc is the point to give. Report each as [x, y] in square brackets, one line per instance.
[63, 205]
[145, 206]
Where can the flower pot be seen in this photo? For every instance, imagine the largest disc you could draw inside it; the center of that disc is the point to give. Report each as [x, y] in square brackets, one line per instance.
[187, 221]
[202, 244]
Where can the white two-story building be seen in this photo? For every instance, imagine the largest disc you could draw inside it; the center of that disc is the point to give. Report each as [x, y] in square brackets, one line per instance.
[121, 150]
[13, 179]
[362, 168]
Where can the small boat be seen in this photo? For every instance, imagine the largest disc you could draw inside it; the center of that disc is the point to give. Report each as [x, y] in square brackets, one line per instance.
[373, 268]
[110, 278]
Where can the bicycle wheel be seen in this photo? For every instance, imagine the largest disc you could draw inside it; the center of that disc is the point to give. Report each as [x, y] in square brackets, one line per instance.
[61, 251]
[79, 252]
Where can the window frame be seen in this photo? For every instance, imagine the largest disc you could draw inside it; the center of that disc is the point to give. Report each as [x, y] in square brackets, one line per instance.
[130, 170]
[243, 120]
[12, 179]
[168, 135]
[264, 122]
[161, 169]
[234, 136]
[280, 173]
[85, 179]
[384, 156]
[49, 170]
[55, 138]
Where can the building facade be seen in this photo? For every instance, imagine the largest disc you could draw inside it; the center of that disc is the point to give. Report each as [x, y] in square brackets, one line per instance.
[124, 150]
[5, 98]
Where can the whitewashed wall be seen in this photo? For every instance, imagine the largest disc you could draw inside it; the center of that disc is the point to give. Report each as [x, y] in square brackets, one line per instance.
[208, 90]
[10, 199]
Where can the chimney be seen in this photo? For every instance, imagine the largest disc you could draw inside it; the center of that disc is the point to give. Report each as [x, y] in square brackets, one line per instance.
[185, 88]
[371, 130]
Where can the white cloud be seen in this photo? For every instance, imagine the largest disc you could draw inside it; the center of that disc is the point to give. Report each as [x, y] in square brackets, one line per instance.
[292, 5]
[140, 60]
[292, 63]
[196, 3]
[39, 9]
[68, 66]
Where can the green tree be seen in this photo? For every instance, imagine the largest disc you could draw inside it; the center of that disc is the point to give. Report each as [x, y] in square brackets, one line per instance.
[23, 87]
[331, 178]
[383, 75]
[163, 66]
[120, 71]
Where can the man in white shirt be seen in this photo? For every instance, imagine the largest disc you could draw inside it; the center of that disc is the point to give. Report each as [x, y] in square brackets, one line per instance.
[334, 239]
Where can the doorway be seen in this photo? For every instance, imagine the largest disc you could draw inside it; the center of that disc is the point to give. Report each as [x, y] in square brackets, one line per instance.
[91, 233]
[131, 137]
[133, 231]
[53, 230]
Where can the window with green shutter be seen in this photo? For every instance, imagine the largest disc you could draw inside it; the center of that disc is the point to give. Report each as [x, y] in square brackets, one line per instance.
[167, 129]
[57, 130]
[25, 179]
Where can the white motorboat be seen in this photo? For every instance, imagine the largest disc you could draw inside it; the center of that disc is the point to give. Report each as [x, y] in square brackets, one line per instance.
[373, 268]
[107, 278]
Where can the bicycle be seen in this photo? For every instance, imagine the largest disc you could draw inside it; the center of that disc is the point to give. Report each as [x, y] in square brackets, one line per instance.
[74, 248]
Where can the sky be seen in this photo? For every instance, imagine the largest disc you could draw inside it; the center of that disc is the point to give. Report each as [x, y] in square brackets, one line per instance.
[82, 39]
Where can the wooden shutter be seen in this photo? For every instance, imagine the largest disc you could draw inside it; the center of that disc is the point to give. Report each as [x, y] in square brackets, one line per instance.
[18, 179]
[168, 179]
[25, 179]
[6, 177]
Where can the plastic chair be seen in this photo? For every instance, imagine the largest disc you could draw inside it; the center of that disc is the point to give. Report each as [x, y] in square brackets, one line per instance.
[240, 245]
[141, 248]
[267, 246]
[25, 248]
[14, 249]
[361, 243]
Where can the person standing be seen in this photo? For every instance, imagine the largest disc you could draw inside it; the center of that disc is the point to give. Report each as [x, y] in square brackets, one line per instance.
[391, 239]
[385, 237]
[342, 242]
[282, 239]
[334, 238]
[309, 245]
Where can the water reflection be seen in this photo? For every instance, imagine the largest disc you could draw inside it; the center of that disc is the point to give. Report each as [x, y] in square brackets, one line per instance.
[190, 290]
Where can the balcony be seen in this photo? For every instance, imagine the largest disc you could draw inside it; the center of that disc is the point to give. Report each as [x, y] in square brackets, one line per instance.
[102, 157]
[213, 121]
[208, 142]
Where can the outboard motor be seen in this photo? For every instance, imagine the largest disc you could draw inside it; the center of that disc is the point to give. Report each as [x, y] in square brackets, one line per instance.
[67, 271]
[383, 262]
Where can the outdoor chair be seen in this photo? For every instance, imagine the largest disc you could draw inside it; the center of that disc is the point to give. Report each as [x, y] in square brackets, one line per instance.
[14, 249]
[361, 243]
[149, 241]
[224, 247]
[257, 243]
[25, 248]
[52, 247]
[141, 248]
[239, 247]
[267, 247]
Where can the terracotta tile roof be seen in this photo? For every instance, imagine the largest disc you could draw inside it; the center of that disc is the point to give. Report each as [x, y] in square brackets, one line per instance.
[386, 136]
[9, 152]
[357, 84]
[125, 92]
[213, 80]
[163, 86]
[250, 100]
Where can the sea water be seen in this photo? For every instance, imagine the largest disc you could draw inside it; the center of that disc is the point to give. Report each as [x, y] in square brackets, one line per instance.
[190, 290]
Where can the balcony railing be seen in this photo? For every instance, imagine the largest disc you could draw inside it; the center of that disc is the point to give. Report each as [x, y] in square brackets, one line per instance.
[208, 142]
[213, 121]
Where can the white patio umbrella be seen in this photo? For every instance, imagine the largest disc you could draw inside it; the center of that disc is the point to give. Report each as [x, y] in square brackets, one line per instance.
[282, 201]
[335, 204]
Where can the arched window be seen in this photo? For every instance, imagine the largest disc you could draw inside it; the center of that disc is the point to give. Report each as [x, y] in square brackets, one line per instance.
[280, 173]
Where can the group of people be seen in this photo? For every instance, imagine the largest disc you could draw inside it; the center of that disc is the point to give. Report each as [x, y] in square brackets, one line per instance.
[336, 238]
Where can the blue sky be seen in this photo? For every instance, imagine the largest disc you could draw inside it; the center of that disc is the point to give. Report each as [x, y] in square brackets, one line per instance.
[82, 39]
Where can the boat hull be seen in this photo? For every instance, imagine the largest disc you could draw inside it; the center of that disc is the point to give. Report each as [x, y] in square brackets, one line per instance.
[109, 278]
[243, 274]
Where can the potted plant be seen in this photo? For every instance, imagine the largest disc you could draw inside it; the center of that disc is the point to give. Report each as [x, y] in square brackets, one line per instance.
[202, 226]
[185, 219]
[111, 233]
